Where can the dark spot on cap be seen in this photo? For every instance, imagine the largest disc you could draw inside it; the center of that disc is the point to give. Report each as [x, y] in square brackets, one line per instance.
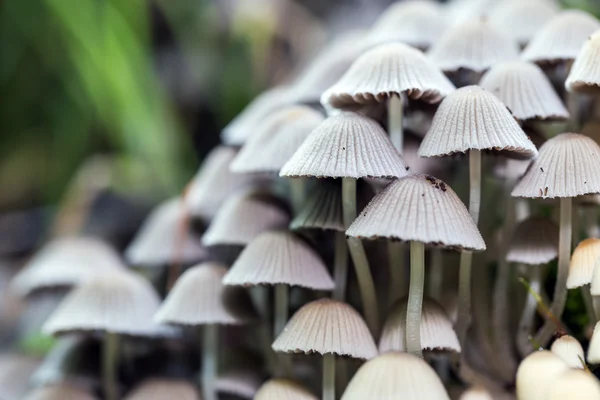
[546, 191]
[407, 168]
[541, 169]
[343, 148]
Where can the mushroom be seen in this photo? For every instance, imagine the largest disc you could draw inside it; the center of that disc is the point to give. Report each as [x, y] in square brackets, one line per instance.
[582, 271]
[161, 388]
[593, 351]
[536, 373]
[584, 76]
[243, 384]
[569, 349]
[574, 384]
[283, 389]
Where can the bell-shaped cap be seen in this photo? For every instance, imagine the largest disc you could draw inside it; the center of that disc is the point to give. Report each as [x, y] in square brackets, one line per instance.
[323, 209]
[198, 298]
[418, 208]
[327, 326]
[567, 166]
[276, 139]
[593, 351]
[520, 19]
[243, 217]
[119, 302]
[386, 70]
[585, 72]
[396, 376]
[279, 257]
[437, 332]
[66, 262]
[476, 393]
[242, 384]
[474, 46]
[534, 242]
[583, 260]
[525, 90]
[283, 389]
[536, 372]
[59, 392]
[161, 389]
[157, 242]
[346, 145]
[574, 384]
[561, 38]
[214, 183]
[472, 118]
[569, 349]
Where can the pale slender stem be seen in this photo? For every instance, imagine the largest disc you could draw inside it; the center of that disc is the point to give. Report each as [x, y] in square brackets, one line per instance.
[359, 258]
[210, 341]
[395, 122]
[590, 307]
[573, 107]
[575, 225]
[281, 308]
[596, 302]
[529, 312]
[474, 184]
[340, 266]
[329, 376]
[297, 194]
[564, 256]
[436, 275]
[260, 299]
[396, 267]
[522, 210]
[415, 298]
[110, 353]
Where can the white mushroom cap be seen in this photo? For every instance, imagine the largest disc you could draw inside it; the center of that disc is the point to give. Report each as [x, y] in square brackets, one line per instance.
[536, 372]
[569, 349]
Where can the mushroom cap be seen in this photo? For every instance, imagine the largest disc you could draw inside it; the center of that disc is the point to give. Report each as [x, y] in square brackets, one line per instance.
[437, 332]
[395, 375]
[534, 242]
[66, 262]
[197, 298]
[525, 90]
[476, 393]
[276, 139]
[119, 302]
[214, 183]
[418, 208]
[160, 389]
[243, 217]
[386, 70]
[585, 72]
[59, 392]
[323, 209]
[569, 350]
[279, 257]
[593, 351]
[242, 384]
[346, 145]
[583, 261]
[520, 19]
[283, 389]
[327, 326]
[473, 118]
[474, 45]
[567, 166]
[574, 384]
[536, 372]
[157, 241]
[561, 38]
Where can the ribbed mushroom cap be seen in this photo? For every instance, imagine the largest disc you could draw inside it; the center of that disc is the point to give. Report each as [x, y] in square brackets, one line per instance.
[279, 257]
[417, 23]
[283, 389]
[66, 262]
[323, 209]
[59, 392]
[396, 376]
[525, 90]
[161, 389]
[567, 166]
[473, 118]
[276, 139]
[121, 302]
[242, 384]
[534, 242]
[214, 183]
[520, 19]
[242, 126]
[561, 37]
[346, 145]
[585, 73]
[420, 208]
[574, 384]
[583, 260]
[243, 217]
[569, 349]
[197, 298]
[157, 241]
[436, 328]
[476, 393]
[327, 326]
[593, 351]
[536, 372]
[474, 45]
[386, 70]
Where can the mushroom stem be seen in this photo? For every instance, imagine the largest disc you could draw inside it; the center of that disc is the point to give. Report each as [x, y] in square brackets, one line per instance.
[297, 193]
[281, 308]
[596, 302]
[340, 266]
[466, 257]
[396, 267]
[210, 339]
[359, 258]
[436, 275]
[588, 302]
[110, 352]
[560, 288]
[415, 298]
[573, 107]
[529, 311]
[329, 376]
[395, 122]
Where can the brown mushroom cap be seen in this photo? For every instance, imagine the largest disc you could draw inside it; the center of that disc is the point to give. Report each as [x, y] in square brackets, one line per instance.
[584, 259]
